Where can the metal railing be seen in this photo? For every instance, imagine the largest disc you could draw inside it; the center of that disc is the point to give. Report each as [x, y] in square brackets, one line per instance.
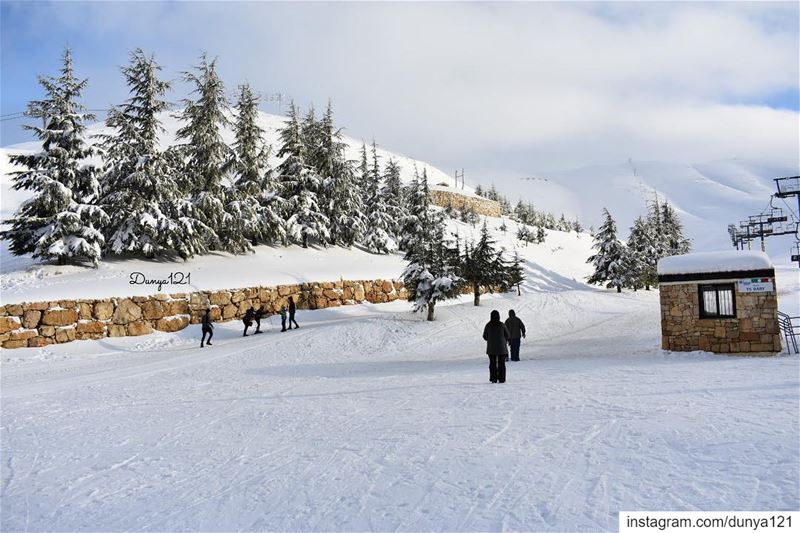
[790, 326]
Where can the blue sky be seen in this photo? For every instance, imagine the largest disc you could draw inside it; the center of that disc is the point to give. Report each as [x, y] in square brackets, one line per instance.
[497, 88]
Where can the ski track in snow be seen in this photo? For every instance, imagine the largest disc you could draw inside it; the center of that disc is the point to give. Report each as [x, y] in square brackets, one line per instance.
[370, 418]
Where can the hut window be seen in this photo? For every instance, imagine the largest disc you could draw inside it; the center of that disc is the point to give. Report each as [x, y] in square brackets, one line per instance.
[717, 301]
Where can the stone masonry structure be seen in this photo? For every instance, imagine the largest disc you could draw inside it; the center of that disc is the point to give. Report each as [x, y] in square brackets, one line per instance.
[754, 330]
[741, 295]
[35, 324]
[482, 206]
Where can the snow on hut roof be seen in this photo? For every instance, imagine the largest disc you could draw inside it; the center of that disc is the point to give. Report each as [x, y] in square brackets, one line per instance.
[723, 261]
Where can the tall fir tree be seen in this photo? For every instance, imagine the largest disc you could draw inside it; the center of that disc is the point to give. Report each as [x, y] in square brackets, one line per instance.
[515, 274]
[608, 260]
[206, 155]
[61, 221]
[377, 237]
[253, 205]
[675, 243]
[344, 205]
[393, 198]
[300, 186]
[139, 187]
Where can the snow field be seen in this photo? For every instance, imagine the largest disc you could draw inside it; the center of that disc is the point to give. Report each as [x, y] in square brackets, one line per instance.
[370, 418]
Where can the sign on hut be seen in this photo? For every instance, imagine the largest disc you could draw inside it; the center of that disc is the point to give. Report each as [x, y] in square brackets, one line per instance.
[722, 302]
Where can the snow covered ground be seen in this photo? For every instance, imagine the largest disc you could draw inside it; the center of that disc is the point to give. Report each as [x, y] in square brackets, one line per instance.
[370, 418]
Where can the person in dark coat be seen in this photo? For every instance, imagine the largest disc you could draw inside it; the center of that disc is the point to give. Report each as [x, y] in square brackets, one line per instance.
[292, 310]
[260, 312]
[496, 335]
[208, 328]
[248, 319]
[517, 330]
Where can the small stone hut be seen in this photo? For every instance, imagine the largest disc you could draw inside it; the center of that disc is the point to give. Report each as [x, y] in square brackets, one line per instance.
[721, 302]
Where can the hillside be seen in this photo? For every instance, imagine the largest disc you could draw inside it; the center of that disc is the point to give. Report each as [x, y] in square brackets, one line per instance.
[709, 196]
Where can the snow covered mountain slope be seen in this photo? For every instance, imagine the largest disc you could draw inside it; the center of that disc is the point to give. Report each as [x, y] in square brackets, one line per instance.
[708, 196]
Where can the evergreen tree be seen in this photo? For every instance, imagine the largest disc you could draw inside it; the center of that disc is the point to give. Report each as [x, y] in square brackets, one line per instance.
[479, 190]
[503, 227]
[207, 155]
[482, 266]
[525, 235]
[393, 198]
[377, 238]
[540, 235]
[515, 275]
[344, 208]
[61, 220]
[432, 271]
[300, 186]
[419, 214]
[139, 180]
[608, 261]
[641, 256]
[253, 206]
[674, 241]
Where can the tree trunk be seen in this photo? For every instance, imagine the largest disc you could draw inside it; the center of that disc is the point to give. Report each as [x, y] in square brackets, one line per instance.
[430, 311]
[647, 287]
[476, 290]
[305, 240]
[619, 288]
[519, 293]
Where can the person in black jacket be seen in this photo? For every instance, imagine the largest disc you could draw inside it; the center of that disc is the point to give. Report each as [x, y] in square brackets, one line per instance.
[517, 330]
[248, 319]
[260, 312]
[496, 335]
[292, 310]
[208, 328]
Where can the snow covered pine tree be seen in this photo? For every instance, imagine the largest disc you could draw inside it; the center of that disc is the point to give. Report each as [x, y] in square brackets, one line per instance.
[608, 261]
[376, 237]
[207, 155]
[432, 274]
[482, 266]
[300, 186]
[61, 221]
[138, 182]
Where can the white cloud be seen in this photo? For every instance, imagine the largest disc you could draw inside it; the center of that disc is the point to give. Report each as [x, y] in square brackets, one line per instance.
[511, 86]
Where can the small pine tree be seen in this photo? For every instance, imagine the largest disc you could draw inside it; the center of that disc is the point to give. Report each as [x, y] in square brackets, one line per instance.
[479, 190]
[61, 221]
[432, 271]
[419, 214]
[608, 261]
[482, 266]
[515, 275]
[503, 227]
[377, 238]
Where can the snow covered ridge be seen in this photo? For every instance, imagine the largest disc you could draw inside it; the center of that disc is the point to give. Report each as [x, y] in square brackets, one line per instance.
[721, 261]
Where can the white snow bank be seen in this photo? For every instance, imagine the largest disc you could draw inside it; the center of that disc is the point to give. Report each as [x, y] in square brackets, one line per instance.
[722, 261]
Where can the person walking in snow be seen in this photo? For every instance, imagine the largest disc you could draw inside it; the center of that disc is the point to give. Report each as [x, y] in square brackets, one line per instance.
[248, 319]
[283, 317]
[260, 312]
[496, 335]
[292, 311]
[208, 328]
[517, 330]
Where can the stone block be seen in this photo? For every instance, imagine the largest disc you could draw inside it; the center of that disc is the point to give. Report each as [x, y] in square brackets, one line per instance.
[117, 330]
[229, 312]
[103, 310]
[15, 344]
[91, 327]
[153, 310]
[60, 317]
[172, 323]
[47, 331]
[65, 334]
[17, 310]
[9, 323]
[84, 311]
[31, 318]
[220, 298]
[127, 311]
[38, 342]
[139, 327]
[23, 334]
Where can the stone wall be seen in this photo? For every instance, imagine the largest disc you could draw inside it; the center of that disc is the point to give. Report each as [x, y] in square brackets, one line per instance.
[482, 206]
[754, 330]
[42, 323]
